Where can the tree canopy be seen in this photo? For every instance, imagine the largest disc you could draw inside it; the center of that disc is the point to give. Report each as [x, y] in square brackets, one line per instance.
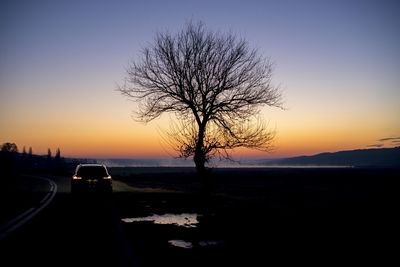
[9, 147]
[214, 84]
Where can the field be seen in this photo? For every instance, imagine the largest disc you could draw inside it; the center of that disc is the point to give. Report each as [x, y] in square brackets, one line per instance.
[262, 216]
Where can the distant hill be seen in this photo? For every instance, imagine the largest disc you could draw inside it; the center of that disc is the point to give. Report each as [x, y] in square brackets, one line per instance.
[377, 157]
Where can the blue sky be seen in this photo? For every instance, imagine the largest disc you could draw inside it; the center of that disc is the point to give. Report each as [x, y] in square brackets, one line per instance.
[337, 62]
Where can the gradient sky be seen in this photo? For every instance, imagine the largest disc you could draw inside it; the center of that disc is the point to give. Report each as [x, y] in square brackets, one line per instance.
[337, 62]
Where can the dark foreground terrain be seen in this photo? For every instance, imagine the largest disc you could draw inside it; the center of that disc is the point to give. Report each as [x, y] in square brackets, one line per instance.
[248, 217]
[266, 216]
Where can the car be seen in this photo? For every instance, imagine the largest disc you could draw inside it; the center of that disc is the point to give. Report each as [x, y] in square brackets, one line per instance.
[91, 177]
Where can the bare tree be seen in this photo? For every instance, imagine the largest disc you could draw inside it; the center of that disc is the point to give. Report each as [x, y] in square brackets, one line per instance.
[58, 154]
[48, 154]
[214, 84]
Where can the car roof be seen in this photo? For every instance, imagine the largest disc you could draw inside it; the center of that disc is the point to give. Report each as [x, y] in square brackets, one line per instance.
[91, 165]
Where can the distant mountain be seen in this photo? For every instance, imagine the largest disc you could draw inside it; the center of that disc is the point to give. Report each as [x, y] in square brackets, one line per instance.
[376, 157]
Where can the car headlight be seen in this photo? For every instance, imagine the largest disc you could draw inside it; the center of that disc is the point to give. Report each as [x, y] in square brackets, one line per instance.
[107, 177]
[76, 177]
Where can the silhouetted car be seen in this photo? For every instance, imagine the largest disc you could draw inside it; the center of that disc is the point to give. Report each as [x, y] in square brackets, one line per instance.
[91, 177]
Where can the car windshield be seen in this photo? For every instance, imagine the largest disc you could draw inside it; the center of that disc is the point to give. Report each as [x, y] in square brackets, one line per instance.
[97, 171]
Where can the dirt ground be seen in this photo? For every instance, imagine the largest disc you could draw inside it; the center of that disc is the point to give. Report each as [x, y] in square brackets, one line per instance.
[257, 217]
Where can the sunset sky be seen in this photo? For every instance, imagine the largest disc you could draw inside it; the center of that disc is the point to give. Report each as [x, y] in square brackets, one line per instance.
[337, 63]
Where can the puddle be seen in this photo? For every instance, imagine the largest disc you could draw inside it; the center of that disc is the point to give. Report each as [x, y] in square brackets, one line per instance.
[188, 220]
[210, 243]
[189, 245]
[181, 244]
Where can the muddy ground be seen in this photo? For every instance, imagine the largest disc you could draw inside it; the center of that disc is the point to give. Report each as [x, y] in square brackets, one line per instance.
[257, 217]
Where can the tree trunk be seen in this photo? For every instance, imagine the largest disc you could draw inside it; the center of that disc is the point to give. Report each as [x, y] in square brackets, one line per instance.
[199, 156]
[203, 174]
[200, 161]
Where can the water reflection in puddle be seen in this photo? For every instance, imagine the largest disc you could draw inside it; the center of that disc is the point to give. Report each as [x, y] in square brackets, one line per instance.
[188, 245]
[188, 220]
[207, 243]
[181, 244]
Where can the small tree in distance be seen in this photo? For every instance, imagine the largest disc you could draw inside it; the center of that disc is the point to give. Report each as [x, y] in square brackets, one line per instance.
[214, 84]
[58, 154]
[8, 153]
[9, 148]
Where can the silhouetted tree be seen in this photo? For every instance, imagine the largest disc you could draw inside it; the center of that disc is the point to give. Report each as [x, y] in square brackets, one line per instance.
[29, 162]
[58, 154]
[9, 147]
[59, 163]
[48, 154]
[214, 84]
[24, 152]
[7, 159]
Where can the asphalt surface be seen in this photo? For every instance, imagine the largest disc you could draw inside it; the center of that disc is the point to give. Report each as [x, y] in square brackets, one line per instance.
[71, 230]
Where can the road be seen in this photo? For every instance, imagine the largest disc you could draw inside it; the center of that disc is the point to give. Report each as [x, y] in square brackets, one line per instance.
[71, 230]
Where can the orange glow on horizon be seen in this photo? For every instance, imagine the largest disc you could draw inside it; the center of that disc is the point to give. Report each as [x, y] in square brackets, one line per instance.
[149, 143]
[113, 134]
